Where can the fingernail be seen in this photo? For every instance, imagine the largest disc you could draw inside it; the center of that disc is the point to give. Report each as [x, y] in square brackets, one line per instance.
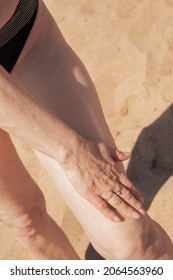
[116, 219]
[142, 211]
[136, 215]
[126, 154]
[141, 199]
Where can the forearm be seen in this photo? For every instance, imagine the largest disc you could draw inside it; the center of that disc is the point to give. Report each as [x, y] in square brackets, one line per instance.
[23, 117]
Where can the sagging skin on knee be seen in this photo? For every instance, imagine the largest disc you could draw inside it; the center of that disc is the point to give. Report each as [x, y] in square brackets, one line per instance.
[147, 241]
[22, 204]
[24, 221]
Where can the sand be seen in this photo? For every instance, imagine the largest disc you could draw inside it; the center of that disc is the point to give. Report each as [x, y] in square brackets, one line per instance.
[127, 47]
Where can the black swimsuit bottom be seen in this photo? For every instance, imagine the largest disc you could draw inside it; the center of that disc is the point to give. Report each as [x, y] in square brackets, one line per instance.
[10, 51]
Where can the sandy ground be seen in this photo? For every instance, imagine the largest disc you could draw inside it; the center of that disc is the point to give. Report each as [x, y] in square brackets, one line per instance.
[127, 47]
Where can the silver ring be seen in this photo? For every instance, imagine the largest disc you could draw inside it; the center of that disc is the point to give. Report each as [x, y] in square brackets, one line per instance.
[119, 192]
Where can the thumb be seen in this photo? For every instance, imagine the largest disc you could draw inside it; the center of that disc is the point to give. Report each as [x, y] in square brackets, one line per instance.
[119, 155]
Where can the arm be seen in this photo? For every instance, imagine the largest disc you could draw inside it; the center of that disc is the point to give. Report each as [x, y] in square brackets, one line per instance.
[23, 117]
[88, 165]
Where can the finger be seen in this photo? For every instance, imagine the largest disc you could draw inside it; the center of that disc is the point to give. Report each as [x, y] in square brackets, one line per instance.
[111, 185]
[127, 183]
[119, 155]
[104, 208]
[118, 203]
[128, 197]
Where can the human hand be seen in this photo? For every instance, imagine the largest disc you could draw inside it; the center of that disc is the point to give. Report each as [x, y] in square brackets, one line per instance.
[95, 174]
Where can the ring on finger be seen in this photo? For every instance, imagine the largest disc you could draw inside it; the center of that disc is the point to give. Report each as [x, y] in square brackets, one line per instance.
[119, 192]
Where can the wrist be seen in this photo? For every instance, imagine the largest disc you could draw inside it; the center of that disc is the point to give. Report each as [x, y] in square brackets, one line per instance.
[68, 153]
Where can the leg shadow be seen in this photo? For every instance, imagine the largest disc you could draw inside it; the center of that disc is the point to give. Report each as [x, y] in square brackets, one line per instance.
[151, 162]
[91, 254]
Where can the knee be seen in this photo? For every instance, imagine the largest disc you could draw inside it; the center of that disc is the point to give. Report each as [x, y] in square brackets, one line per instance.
[113, 253]
[136, 247]
[133, 252]
[127, 243]
[27, 223]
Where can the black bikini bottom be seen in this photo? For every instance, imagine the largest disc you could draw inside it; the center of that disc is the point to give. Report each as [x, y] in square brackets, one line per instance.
[10, 52]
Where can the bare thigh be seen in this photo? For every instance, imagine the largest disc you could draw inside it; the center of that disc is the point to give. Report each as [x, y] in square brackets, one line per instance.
[54, 76]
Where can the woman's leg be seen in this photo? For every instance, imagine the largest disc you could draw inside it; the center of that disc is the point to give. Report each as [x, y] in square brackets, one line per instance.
[23, 210]
[53, 75]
